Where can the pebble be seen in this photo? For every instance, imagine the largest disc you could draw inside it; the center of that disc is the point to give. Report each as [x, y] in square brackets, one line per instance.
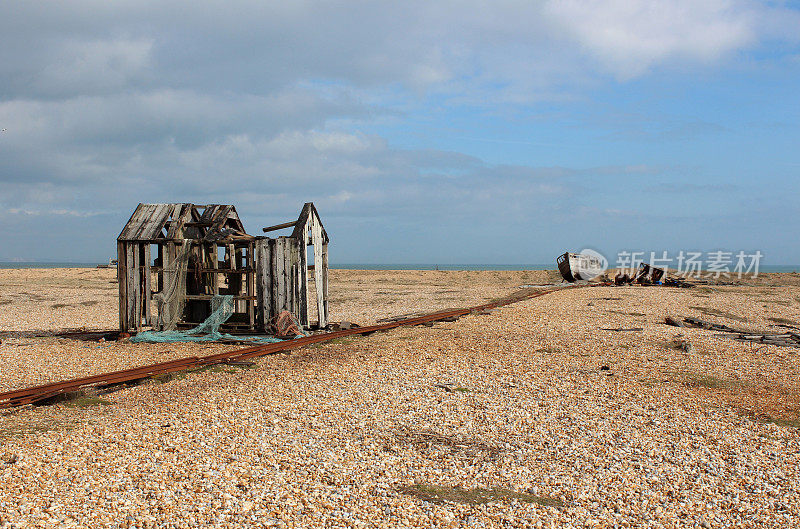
[333, 435]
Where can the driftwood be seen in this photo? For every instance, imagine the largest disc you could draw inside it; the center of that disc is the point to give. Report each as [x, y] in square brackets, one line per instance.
[790, 339]
[787, 339]
[669, 320]
[702, 324]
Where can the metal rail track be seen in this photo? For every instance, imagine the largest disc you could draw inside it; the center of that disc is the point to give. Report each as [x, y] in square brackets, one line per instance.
[45, 392]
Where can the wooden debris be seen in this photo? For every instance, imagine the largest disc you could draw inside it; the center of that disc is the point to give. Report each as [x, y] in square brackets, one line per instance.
[691, 321]
[669, 320]
[787, 339]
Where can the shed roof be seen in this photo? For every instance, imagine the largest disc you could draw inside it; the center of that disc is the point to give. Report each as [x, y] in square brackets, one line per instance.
[159, 222]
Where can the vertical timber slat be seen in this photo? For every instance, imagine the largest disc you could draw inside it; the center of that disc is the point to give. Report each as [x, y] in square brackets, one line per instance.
[137, 258]
[271, 310]
[215, 273]
[251, 303]
[262, 287]
[169, 269]
[280, 274]
[132, 290]
[302, 275]
[316, 235]
[325, 279]
[122, 281]
[148, 289]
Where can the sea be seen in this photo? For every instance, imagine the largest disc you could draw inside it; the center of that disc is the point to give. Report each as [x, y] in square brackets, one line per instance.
[382, 266]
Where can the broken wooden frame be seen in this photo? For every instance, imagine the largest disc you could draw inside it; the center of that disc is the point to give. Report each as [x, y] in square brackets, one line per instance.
[205, 251]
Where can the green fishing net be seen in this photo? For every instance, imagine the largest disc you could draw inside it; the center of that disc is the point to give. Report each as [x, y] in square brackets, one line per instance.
[221, 309]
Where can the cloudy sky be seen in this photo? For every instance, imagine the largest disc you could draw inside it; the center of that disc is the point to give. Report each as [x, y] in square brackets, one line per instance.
[425, 132]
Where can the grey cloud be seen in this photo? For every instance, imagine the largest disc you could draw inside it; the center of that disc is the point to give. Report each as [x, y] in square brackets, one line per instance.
[111, 103]
[258, 47]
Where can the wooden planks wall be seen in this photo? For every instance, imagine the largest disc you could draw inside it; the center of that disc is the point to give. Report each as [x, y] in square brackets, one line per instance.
[279, 280]
[133, 275]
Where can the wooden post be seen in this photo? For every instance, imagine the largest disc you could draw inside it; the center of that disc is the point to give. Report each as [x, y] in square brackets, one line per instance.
[169, 272]
[302, 276]
[295, 272]
[215, 266]
[251, 303]
[316, 235]
[160, 285]
[269, 279]
[324, 279]
[122, 280]
[280, 274]
[262, 286]
[148, 289]
[136, 288]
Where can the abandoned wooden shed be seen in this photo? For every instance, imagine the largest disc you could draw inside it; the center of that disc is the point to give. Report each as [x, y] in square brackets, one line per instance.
[175, 260]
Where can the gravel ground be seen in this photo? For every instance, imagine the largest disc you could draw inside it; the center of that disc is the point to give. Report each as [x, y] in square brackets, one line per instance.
[568, 424]
[47, 300]
[75, 298]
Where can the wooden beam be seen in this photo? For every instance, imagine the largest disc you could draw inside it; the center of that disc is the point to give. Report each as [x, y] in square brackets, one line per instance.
[280, 226]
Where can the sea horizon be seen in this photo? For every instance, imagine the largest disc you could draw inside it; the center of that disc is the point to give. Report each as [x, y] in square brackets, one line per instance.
[4, 265]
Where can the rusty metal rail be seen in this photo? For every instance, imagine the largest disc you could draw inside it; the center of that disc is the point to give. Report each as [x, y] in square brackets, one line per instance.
[44, 392]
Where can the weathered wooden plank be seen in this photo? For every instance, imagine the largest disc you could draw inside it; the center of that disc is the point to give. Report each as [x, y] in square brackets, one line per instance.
[250, 278]
[148, 289]
[270, 280]
[160, 268]
[131, 288]
[138, 253]
[122, 281]
[279, 226]
[132, 226]
[280, 274]
[295, 277]
[262, 287]
[168, 255]
[324, 279]
[303, 285]
[156, 215]
[221, 216]
[180, 215]
[146, 222]
[316, 237]
[215, 266]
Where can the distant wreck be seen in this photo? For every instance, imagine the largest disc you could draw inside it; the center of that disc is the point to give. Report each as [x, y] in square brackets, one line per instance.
[575, 267]
[579, 267]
